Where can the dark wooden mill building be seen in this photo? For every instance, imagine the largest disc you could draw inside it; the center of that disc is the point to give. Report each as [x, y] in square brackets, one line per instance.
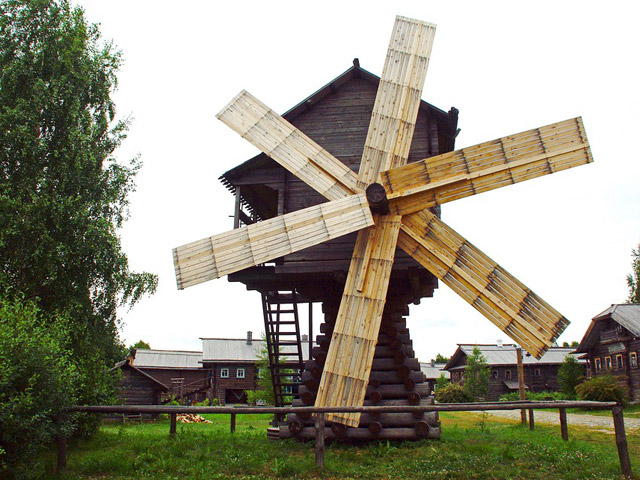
[337, 118]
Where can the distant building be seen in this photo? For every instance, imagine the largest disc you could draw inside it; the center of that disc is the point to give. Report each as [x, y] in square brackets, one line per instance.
[432, 372]
[611, 346]
[539, 375]
[155, 376]
[223, 370]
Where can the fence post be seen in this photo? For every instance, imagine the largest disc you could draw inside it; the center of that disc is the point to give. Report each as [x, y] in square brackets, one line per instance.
[621, 441]
[320, 440]
[523, 412]
[564, 429]
[172, 425]
[233, 423]
[62, 445]
[531, 420]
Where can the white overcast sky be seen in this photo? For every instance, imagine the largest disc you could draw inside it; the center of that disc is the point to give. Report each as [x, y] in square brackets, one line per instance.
[507, 66]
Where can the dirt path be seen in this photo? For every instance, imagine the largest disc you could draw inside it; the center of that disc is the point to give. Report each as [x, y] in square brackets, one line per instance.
[598, 423]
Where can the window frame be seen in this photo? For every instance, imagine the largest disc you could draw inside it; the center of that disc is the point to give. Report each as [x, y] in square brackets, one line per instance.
[607, 363]
[537, 372]
[598, 365]
[494, 373]
[224, 372]
[619, 362]
[239, 371]
[507, 374]
[633, 360]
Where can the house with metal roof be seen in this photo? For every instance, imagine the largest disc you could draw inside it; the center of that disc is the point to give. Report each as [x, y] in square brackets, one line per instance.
[611, 346]
[432, 372]
[232, 365]
[539, 375]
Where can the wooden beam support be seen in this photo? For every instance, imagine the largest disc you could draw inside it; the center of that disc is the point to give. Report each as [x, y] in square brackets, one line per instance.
[621, 441]
[564, 429]
[319, 424]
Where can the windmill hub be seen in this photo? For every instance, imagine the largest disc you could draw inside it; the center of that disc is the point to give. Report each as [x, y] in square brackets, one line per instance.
[377, 199]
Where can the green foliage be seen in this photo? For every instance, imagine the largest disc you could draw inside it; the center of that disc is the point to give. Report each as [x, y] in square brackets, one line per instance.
[63, 196]
[453, 393]
[141, 345]
[570, 374]
[264, 393]
[573, 344]
[442, 382]
[633, 279]
[476, 376]
[602, 388]
[534, 396]
[441, 358]
[38, 379]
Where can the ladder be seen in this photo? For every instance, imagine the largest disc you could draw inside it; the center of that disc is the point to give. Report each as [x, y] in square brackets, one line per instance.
[284, 346]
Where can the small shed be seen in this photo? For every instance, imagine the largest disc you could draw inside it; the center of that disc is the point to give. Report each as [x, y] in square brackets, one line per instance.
[539, 375]
[155, 376]
[611, 346]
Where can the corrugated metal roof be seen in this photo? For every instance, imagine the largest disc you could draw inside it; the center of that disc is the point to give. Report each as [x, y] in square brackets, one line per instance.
[506, 355]
[237, 350]
[167, 359]
[433, 371]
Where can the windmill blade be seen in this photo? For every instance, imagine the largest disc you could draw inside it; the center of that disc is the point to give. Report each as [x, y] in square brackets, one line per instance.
[487, 166]
[350, 356]
[252, 245]
[396, 106]
[490, 289]
[288, 146]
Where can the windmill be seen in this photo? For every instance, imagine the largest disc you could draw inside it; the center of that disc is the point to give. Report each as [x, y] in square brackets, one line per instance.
[388, 204]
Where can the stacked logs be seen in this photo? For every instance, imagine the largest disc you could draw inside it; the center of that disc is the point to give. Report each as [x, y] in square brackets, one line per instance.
[395, 379]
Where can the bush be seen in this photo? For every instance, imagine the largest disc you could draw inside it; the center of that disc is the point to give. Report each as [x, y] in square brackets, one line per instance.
[570, 375]
[37, 381]
[453, 393]
[533, 396]
[603, 388]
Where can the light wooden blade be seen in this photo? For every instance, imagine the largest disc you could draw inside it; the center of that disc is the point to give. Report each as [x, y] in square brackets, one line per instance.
[396, 106]
[487, 166]
[244, 247]
[288, 146]
[490, 289]
[350, 356]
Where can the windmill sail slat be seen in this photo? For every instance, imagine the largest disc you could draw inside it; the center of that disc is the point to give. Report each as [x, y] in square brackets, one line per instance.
[254, 244]
[398, 98]
[288, 146]
[355, 334]
[487, 166]
[489, 288]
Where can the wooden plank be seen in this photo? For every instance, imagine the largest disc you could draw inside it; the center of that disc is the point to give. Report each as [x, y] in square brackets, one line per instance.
[487, 166]
[251, 245]
[288, 146]
[398, 98]
[490, 289]
[350, 356]
[621, 441]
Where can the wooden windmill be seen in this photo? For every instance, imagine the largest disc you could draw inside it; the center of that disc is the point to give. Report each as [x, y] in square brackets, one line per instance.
[390, 203]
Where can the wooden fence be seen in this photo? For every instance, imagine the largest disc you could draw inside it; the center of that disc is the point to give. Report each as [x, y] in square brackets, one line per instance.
[319, 412]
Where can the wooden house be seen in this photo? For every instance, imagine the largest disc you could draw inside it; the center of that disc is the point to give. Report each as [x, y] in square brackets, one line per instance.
[432, 372]
[539, 375]
[156, 376]
[231, 363]
[611, 346]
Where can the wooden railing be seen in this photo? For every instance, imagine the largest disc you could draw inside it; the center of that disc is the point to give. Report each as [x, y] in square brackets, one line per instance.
[561, 406]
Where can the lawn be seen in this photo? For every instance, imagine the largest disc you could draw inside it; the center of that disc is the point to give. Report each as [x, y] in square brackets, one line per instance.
[471, 447]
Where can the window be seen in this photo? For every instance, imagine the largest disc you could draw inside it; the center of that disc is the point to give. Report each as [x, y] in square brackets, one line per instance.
[260, 372]
[619, 363]
[607, 363]
[507, 374]
[224, 373]
[240, 373]
[537, 372]
[598, 365]
[633, 359]
[494, 374]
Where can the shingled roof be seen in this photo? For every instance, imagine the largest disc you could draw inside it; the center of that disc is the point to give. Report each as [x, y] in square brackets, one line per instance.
[143, 358]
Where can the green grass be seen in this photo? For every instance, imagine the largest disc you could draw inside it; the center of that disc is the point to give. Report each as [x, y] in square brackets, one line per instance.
[471, 447]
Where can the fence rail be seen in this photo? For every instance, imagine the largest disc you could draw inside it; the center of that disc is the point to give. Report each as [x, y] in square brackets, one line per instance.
[174, 410]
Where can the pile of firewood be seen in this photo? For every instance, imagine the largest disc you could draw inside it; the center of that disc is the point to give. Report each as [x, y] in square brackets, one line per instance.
[191, 418]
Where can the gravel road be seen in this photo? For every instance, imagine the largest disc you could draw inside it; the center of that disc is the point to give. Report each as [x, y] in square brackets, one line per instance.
[603, 424]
